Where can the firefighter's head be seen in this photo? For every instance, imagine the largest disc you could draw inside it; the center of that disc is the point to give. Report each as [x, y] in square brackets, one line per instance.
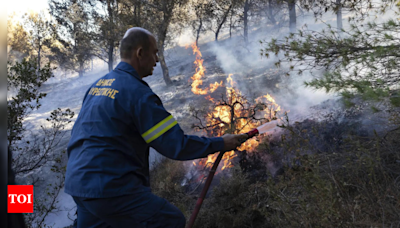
[139, 49]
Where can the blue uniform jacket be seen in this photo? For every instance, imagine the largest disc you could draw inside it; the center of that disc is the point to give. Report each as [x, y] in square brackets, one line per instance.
[121, 117]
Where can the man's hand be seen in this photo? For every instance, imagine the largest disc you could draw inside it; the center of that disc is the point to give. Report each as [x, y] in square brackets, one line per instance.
[232, 141]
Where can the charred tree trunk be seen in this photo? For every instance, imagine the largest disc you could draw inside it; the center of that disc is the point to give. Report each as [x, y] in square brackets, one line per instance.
[40, 49]
[164, 9]
[222, 22]
[111, 41]
[245, 21]
[81, 61]
[137, 11]
[198, 31]
[11, 174]
[339, 19]
[292, 15]
[164, 66]
[110, 57]
[81, 68]
[162, 34]
[79, 57]
[230, 26]
[270, 14]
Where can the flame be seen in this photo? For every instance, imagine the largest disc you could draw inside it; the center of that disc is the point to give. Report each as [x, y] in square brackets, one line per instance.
[222, 114]
[197, 77]
[210, 98]
[274, 107]
[227, 159]
[222, 117]
[230, 80]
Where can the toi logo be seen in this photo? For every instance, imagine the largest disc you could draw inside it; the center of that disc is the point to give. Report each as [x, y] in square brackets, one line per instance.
[20, 198]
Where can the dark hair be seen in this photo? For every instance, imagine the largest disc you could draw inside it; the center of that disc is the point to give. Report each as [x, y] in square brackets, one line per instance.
[134, 38]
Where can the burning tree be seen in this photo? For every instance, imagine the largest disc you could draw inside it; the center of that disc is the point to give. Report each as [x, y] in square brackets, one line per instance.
[234, 114]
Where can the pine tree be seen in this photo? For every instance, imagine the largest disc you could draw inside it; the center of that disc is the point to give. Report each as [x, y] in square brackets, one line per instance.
[362, 60]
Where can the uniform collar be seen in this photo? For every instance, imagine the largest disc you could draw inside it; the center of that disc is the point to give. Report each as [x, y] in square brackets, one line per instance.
[128, 68]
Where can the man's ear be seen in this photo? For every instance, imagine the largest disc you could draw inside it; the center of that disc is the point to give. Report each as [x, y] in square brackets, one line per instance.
[139, 52]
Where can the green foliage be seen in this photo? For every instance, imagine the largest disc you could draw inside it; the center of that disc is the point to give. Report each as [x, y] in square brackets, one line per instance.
[18, 45]
[73, 34]
[39, 29]
[24, 83]
[110, 27]
[360, 9]
[24, 80]
[59, 118]
[362, 61]
[395, 98]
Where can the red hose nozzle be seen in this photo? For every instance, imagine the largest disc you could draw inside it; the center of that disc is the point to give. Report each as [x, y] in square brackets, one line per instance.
[252, 133]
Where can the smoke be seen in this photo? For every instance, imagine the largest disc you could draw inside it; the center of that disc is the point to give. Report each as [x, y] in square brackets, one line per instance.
[256, 74]
[186, 38]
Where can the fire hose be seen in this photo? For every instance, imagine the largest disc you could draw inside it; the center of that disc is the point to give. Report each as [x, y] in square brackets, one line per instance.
[210, 177]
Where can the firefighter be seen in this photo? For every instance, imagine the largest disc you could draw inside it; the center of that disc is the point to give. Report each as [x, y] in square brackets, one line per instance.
[108, 153]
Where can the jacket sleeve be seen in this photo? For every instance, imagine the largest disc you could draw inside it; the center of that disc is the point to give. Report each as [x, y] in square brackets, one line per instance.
[160, 130]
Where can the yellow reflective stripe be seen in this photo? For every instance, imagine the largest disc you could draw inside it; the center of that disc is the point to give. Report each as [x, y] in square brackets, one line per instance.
[159, 129]
[156, 126]
[162, 132]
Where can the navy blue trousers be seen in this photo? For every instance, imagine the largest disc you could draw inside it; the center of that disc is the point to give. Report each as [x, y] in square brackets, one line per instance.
[143, 210]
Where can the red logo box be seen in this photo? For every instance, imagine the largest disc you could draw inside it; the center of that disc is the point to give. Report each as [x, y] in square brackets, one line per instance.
[20, 199]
